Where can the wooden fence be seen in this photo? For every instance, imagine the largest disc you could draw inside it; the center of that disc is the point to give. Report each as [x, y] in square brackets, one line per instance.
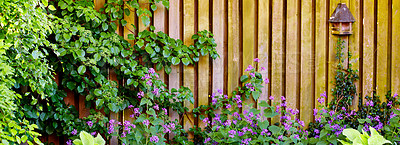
[290, 37]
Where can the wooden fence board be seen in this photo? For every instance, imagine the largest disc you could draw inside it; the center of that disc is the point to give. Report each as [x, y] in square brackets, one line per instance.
[306, 96]
[395, 48]
[174, 29]
[354, 45]
[277, 53]
[292, 54]
[218, 31]
[320, 49]
[204, 66]
[382, 50]
[143, 5]
[188, 71]
[332, 61]
[248, 41]
[233, 45]
[160, 25]
[368, 48]
[263, 46]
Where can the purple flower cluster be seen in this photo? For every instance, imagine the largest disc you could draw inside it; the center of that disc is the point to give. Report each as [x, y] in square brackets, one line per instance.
[74, 132]
[250, 86]
[246, 141]
[169, 127]
[112, 125]
[238, 100]
[90, 123]
[265, 132]
[165, 111]
[369, 103]
[206, 121]
[146, 122]
[249, 68]
[140, 94]
[154, 139]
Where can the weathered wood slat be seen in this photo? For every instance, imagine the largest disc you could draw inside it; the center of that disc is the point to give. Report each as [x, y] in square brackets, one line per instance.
[204, 66]
[368, 49]
[354, 45]
[277, 53]
[188, 71]
[218, 24]
[248, 41]
[233, 45]
[263, 46]
[395, 48]
[332, 61]
[306, 92]
[320, 49]
[160, 25]
[174, 29]
[382, 74]
[292, 54]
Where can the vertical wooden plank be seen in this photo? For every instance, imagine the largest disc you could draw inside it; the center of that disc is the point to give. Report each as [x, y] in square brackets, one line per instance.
[188, 71]
[320, 49]
[98, 4]
[354, 45]
[218, 23]
[263, 43]
[143, 5]
[204, 67]
[129, 29]
[292, 54]
[174, 29]
[306, 96]
[248, 40]
[395, 47]
[368, 48]
[277, 52]
[159, 24]
[233, 45]
[332, 61]
[382, 73]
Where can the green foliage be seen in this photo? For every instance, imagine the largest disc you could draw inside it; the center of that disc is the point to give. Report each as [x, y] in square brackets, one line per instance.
[357, 138]
[88, 139]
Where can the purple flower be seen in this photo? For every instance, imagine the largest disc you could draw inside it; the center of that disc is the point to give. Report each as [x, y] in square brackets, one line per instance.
[136, 111]
[155, 107]
[266, 80]
[240, 133]
[271, 98]
[321, 100]
[246, 141]
[283, 98]
[220, 91]
[226, 96]
[90, 123]
[301, 123]
[253, 75]
[165, 111]
[130, 106]
[315, 111]
[207, 140]
[395, 95]
[232, 133]
[249, 68]
[149, 82]
[369, 103]
[123, 134]
[93, 133]
[155, 91]
[262, 68]
[280, 137]
[331, 113]
[151, 70]
[228, 106]
[69, 142]
[154, 139]
[389, 103]
[316, 131]
[140, 94]
[74, 132]
[214, 101]
[146, 122]
[256, 60]
[296, 136]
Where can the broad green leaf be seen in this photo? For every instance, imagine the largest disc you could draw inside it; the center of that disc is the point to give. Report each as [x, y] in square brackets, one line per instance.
[81, 69]
[351, 134]
[51, 7]
[244, 78]
[344, 142]
[99, 140]
[145, 20]
[185, 61]
[86, 138]
[274, 129]
[97, 92]
[175, 61]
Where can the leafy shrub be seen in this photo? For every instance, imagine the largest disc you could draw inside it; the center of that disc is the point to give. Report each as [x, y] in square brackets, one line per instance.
[88, 139]
[364, 139]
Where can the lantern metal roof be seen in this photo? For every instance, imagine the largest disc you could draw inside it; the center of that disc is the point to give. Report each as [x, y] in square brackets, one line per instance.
[342, 14]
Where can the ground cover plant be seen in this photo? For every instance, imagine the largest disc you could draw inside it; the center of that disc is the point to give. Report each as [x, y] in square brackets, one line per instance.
[41, 38]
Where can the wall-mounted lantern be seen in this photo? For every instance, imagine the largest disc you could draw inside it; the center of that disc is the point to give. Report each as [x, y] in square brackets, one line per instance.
[341, 20]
